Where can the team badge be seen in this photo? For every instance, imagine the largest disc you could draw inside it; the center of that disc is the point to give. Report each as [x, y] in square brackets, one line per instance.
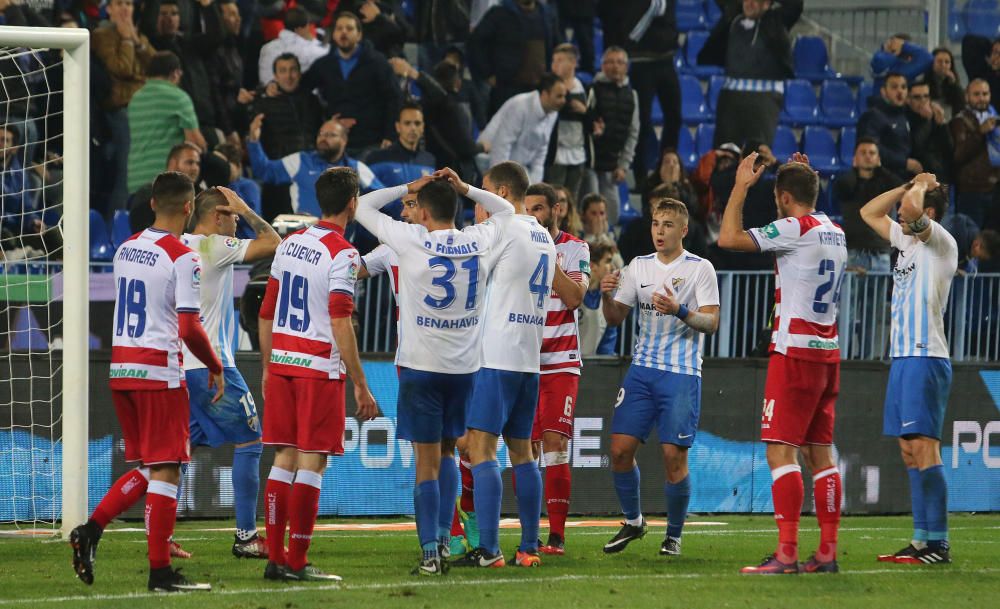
[771, 231]
[676, 282]
[196, 277]
[585, 267]
[352, 271]
[232, 242]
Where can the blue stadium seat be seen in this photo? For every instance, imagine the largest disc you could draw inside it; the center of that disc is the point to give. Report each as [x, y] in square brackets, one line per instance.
[598, 44]
[848, 137]
[101, 249]
[686, 149]
[865, 90]
[703, 138]
[714, 88]
[712, 13]
[982, 18]
[956, 22]
[695, 40]
[651, 145]
[784, 144]
[828, 202]
[693, 107]
[811, 59]
[585, 78]
[626, 213]
[801, 105]
[690, 15]
[818, 145]
[837, 105]
[120, 228]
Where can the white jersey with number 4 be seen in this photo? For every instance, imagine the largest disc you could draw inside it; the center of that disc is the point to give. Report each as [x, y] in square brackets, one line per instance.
[665, 342]
[218, 255]
[921, 281]
[811, 255]
[523, 268]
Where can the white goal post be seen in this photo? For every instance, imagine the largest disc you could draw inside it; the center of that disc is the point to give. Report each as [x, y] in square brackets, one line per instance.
[75, 44]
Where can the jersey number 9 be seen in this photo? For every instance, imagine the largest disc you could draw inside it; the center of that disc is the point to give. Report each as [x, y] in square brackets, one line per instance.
[293, 302]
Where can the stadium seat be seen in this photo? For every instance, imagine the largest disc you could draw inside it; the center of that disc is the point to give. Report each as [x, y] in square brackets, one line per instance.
[828, 203]
[784, 144]
[982, 18]
[598, 44]
[703, 138]
[120, 228]
[865, 91]
[714, 88]
[693, 107]
[956, 22]
[101, 249]
[690, 15]
[818, 145]
[848, 136]
[811, 59]
[695, 40]
[801, 105]
[838, 108]
[686, 149]
[626, 213]
[651, 146]
[712, 13]
[585, 78]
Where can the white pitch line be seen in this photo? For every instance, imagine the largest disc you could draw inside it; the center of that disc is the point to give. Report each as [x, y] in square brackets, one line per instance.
[423, 583]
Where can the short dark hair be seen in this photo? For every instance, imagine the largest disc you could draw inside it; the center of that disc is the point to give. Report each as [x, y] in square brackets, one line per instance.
[206, 202]
[512, 175]
[14, 131]
[547, 81]
[663, 191]
[800, 181]
[410, 104]
[177, 149]
[335, 188]
[445, 73]
[588, 200]
[296, 18]
[543, 190]
[163, 64]
[891, 75]
[232, 153]
[937, 199]
[989, 240]
[286, 57]
[348, 15]
[599, 249]
[171, 190]
[438, 198]
[864, 139]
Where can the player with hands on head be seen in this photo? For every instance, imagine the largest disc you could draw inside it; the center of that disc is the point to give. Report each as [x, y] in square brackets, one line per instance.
[920, 375]
[803, 375]
[307, 344]
[676, 295]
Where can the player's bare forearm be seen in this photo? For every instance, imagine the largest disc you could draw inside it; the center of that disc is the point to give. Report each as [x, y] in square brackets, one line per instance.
[875, 213]
[567, 289]
[370, 204]
[912, 211]
[704, 320]
[264, 333]
[347, 344]
[493, 204]
[731, 233]
[614, 311]
[267, 240]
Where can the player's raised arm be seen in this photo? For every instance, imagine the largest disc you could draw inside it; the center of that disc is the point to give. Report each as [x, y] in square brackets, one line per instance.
[875, 213]
[731, 235]
[369, 205]
[267, 240]
[493, 204]
[614, 310]
[912, 210]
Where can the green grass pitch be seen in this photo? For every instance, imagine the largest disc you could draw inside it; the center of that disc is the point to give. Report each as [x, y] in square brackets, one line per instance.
[376, 565]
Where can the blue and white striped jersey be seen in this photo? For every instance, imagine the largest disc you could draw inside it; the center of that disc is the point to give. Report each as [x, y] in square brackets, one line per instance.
[921, 282]
[665, 342]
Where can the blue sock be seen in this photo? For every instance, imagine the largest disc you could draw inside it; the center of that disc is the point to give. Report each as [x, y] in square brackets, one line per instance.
[246, 483]
[448, 483]
[678, 496]
[936, 504]
[489, 493]
[529, 503]
[426, 496]
[917, 504]
[627, 488]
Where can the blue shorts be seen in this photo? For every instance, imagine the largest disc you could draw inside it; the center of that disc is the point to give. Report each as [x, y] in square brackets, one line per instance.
[503, 403]
[431, 405]
[916, 397]
[648, 396]
[233, 419]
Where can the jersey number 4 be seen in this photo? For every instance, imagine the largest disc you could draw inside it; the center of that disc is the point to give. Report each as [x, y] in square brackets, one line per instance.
[821, 304]
[293, 302]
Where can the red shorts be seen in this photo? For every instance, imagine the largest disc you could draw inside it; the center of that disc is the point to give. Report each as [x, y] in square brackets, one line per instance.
[307, 413]
[154, 424]
[799, 399]
[556, 404]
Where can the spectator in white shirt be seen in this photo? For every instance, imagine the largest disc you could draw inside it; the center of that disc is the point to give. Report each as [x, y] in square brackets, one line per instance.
[297, 38]
[521, 128]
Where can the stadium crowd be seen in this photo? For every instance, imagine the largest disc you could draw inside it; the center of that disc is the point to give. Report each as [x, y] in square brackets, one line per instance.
[262, 96]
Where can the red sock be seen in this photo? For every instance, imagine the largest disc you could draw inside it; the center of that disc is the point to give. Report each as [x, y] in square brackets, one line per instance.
[827, 493]
[276, 492]
[786, 491]
[456, 525]
[123, 494]
[468, 487]
[557, 489]
[161, 513]
[302, 508]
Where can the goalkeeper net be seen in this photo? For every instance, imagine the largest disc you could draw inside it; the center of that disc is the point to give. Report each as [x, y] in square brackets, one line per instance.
[43, 262]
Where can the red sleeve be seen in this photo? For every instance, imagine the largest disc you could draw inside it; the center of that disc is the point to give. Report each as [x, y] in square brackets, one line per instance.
[341, 305]
[193, 335]
[270, 300]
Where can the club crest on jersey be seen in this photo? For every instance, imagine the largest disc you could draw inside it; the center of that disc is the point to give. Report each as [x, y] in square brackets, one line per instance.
[676, 282]
[771, 231]
[232, 242]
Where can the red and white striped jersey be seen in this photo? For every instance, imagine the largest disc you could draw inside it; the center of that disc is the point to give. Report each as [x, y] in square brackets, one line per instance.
[561, 334]
[811, 255]
[156, 277]
[310, 266]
